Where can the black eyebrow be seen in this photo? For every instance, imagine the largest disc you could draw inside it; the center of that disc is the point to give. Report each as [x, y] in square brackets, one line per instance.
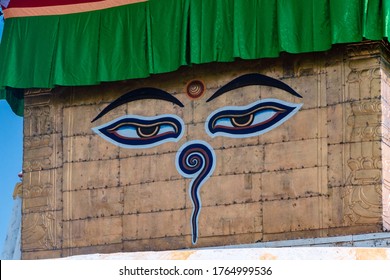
[251, 80]
[138, 94]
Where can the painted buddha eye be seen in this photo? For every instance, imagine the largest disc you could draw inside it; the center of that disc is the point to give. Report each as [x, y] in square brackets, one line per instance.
[251, 120]
[136, 132]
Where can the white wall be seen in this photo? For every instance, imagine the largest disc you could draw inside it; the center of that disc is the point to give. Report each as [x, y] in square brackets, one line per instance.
[11, 250]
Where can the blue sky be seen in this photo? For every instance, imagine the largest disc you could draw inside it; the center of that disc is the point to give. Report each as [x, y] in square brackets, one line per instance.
[11, 153]
[1, 25]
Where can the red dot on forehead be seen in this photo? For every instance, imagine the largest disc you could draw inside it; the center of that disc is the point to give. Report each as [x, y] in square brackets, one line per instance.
[195, 89]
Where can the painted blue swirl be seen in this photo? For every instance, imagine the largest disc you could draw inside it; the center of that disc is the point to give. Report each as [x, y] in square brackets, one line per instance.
[196, 160]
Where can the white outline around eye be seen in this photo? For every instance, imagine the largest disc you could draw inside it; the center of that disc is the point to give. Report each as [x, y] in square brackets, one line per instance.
[296, 106]
[105, 137]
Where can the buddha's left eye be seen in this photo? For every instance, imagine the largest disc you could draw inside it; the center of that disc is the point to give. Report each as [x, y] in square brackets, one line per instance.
[142, 132]
[251, 120]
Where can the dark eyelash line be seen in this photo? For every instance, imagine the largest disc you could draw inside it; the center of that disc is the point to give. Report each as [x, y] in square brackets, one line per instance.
[253, 79]
[139, 94]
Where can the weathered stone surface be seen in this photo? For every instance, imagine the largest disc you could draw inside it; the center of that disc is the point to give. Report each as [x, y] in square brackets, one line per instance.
[92, 232]
[88, 148]
[325, 171]
[42, 152]
[36, 255]
[338, 129]
[42, 191]
[41, 231]
[177, 242]
[385, 145]
[247, 238]
[362, 204]
[337, 167]
[156, 224]
[230, 189]
[101, 202]
[292, 155]
[91, 175]
[239, 160]
[302, 214]
[102, 249]
[294, 183]
[148, 168]
[230, 219]
[155, 196]
[308, 124]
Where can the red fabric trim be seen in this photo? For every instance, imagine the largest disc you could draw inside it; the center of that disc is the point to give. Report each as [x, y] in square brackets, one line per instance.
[41, 3]
[86, 6]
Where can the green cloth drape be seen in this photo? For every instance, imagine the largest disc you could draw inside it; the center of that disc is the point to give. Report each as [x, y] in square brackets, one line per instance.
[159, 36]
[14, 99]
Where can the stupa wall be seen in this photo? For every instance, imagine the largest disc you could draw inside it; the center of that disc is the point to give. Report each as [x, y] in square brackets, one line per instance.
[299, 151]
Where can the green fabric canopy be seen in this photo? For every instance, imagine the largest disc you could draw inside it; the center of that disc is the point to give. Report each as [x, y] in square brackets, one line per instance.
[158, 36]
[14, 99]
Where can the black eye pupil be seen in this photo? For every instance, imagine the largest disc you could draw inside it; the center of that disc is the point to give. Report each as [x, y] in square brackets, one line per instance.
[242, 120]
[147, 131]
